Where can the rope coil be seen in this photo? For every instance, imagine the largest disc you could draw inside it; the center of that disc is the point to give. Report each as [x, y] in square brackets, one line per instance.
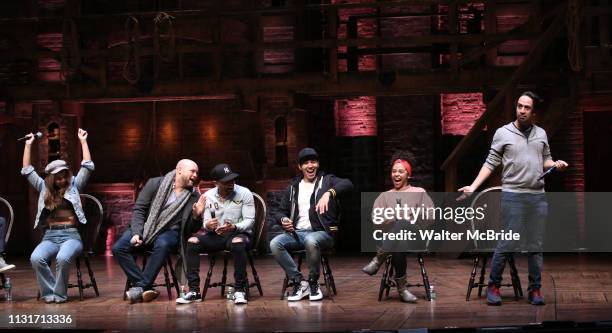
[573, 23]
[164, 33]
[131, 68]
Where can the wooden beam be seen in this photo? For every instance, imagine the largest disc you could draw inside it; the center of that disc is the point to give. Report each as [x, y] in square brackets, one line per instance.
[314, 84]
[332, 30]
[120, 50]
[215, 11]
[520, 74]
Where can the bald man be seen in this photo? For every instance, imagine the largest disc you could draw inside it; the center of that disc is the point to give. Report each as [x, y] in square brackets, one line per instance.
[167, 210]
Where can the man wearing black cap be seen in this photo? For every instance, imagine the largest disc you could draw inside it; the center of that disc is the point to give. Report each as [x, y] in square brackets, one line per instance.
[306, 214]
[228, 219]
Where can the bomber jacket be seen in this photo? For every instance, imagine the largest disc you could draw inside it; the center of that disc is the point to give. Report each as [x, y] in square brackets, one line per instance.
[324, 182]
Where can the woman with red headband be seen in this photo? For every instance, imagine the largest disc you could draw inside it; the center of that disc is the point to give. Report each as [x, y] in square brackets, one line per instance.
[405, 194]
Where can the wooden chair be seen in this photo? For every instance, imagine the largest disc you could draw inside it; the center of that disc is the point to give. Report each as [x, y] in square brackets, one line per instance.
[484, 249]
[387, 282]
[170, 279]
[90, 233]
[260, 219]
[328, 277]
[9, 215]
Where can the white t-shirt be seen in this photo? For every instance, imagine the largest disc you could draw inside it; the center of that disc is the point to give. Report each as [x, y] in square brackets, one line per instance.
[304, 193]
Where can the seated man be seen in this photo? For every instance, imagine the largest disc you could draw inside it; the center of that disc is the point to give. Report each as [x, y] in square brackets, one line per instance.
[228, 220]
[3, 265]
[167, 210]
[306, 213]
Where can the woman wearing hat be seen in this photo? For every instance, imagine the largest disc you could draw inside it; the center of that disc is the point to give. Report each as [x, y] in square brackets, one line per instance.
[401, 194]
[59, 211]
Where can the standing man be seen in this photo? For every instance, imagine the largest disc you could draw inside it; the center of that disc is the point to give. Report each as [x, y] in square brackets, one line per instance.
[228, 219]
[168, 209]
[307, 209]
[522, 149]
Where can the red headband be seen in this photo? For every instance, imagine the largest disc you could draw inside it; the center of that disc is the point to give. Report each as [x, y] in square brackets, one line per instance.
[405, 164]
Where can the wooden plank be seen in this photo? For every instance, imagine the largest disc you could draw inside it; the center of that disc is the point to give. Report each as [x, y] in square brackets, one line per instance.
[314, 84]
[582, 284]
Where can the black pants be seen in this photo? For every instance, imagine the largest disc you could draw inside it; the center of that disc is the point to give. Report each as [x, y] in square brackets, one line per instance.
[398, 260]
[212, 242]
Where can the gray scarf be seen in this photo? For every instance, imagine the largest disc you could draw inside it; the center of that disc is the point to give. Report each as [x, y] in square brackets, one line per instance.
[156, 221]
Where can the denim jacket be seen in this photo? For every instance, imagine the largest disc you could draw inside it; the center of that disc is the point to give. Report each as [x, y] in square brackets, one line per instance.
[72, 194]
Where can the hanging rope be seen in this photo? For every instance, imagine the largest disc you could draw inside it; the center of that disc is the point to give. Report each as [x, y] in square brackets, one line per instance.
[131, 68]
[574, 22]
[164, 33]
[70, 55]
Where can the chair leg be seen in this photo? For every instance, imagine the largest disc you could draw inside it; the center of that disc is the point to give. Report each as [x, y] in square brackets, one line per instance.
[167, 281]
[389, 279]
[516, 281]
[383, 279]
[92, 278]
[300, 258]
[224, 276]
[472, 278]
[483, 272]
[285, 285]
[127, 287]
[426, 284]
[173, 276]
[330, 275]
[324, 266]
[255, 276]
[79, 278]
[211, 264]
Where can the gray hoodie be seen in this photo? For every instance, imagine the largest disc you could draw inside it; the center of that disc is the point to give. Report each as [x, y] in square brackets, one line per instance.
[522, 158]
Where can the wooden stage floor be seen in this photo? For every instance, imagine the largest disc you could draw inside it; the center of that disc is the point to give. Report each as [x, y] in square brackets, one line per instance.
[577, 288]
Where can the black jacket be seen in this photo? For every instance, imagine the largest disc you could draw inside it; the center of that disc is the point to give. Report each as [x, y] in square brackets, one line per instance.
[189, 225]
[323, 183]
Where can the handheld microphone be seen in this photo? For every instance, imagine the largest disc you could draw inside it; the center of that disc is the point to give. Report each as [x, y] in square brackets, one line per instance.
[552, 169]
[38, 135]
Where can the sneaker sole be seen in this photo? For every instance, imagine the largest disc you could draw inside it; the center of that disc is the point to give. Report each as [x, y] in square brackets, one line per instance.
[494, 303]
[184, 301]
[298, 299]
[6, 268]
[241, 302]
[149, 296]
[412, 301]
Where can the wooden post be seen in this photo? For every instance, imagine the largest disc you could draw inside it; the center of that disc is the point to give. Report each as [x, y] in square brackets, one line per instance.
[332, 25]
[453, 28]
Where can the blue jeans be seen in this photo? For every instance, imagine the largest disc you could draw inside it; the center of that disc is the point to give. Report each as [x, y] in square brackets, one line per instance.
[312, 241]
[165, 244]
[65, 245]
[524, 213]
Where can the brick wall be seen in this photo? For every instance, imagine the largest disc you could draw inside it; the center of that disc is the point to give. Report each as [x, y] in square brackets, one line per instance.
[459, 112]
[406, 127]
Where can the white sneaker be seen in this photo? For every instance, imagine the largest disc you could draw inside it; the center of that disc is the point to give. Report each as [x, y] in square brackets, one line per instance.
[240, 297]
[300, 291]
[4, 266]
[315, 291]
[189, 297]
